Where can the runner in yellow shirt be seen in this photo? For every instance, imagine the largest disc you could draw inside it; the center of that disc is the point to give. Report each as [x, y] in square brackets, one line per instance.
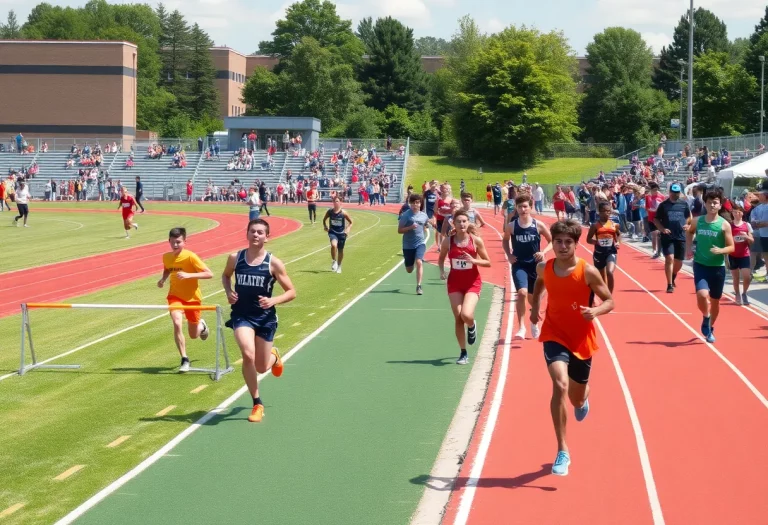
[185, 269]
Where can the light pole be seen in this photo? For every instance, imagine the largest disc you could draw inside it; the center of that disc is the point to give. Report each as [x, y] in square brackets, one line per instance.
[682, 69]
[690, 76]
[762, 87]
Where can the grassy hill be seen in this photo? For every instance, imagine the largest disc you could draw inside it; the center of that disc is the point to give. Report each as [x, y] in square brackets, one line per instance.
[547, 172]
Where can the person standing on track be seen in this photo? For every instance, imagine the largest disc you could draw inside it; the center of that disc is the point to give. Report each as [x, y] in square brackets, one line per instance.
[672, 220]
[139, 193]
[312, 196]
[22, 204]
[254, 317]
[652, 201]
[568, 332]
[412, 225]
[740, 260]
[466, 253]
[714, 241]
[185, 269]
[128, 205]
[341, 224]
[606, 236]
[522, 245]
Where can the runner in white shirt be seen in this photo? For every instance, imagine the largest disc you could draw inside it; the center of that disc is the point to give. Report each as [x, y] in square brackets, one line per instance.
[22, 201]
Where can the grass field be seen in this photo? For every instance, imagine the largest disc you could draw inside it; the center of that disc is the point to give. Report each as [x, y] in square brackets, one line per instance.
[53, 420]
[55, 237]
[553, 171]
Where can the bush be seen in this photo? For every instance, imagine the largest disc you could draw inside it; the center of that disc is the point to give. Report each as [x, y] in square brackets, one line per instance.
[599, 152]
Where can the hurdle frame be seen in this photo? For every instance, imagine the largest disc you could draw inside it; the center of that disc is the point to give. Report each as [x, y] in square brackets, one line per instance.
[26, 334]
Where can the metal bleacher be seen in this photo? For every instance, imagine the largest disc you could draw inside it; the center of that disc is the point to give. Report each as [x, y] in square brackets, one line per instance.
[163, 182]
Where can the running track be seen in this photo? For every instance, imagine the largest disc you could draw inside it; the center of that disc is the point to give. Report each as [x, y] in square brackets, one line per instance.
[701, 418]
[59, 281]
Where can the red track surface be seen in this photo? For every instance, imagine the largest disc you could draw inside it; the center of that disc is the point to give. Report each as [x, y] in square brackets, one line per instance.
[59, 281]
[704, 428]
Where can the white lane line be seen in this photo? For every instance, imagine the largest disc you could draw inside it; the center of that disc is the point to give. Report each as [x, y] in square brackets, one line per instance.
[698, 335]
[648, 313]
[412, 309]
[152, 319]
[645, 461]
[468, 494]
[80, 224]
[141, 467]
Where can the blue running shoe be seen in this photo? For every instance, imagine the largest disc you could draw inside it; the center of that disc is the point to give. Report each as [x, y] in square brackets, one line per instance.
[711, 336]
[582, 412]
[705, 327]
[560, 467]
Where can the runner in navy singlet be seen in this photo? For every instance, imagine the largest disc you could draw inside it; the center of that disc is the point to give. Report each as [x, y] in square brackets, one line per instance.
[522, 244]
[341, 223]
[253, 317]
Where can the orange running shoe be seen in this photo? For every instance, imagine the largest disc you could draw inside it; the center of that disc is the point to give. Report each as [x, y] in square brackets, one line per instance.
[256, 414]
[277, 368]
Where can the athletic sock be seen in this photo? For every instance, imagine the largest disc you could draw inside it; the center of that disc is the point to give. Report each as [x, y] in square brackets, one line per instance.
[463, 353]
[185, 359]
[257, 401]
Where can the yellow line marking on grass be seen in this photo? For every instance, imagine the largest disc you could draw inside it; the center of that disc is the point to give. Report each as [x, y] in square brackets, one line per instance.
[371, 273]
[119, 441]
[198, 389]
[296, 324]
[362, 278]
[239, 361]
[64, 475]
[322, 306]
[278, 336]
[342, 293]
[165, 411]
[10, 510]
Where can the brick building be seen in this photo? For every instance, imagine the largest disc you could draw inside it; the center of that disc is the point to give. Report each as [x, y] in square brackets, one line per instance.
[68, 89]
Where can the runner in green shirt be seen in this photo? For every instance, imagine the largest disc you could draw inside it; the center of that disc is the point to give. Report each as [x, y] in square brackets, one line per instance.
[714, 241]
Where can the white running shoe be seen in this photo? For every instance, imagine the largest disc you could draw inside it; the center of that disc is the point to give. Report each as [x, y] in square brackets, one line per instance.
[338, 269]
[535, 331]
[135, 226]
[204, 331]
[334, 266]
[184, 367]
[520, 334]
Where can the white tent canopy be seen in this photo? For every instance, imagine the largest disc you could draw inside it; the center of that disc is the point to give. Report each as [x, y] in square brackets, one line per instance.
[753, 168]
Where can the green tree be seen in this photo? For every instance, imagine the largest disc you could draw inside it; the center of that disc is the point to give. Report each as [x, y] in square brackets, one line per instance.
[312, 83]
[261, 93]
[11, 29]
[319, 21]
[722, 96]
[393, 72]
[709, 34]
[519, 94]
[738, 50]
[363, 123]
[201, 97]
[620, 104]
[431, 46]
[175, 54]
[365, 33]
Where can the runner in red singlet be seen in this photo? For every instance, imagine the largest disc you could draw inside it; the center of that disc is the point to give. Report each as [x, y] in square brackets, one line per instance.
[443, 210]
[466, 253]
[128, 204]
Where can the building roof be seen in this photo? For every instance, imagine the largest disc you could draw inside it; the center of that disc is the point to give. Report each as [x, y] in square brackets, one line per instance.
[100, 42]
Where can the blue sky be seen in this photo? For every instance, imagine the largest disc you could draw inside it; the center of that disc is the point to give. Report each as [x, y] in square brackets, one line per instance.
[241, 24]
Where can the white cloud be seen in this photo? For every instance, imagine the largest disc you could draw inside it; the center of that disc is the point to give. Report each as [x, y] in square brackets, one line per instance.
[657, 40]
[412, 13]
[491, 25]
[666, 13]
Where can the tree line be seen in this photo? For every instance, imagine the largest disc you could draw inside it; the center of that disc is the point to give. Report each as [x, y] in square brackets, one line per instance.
[501, 97]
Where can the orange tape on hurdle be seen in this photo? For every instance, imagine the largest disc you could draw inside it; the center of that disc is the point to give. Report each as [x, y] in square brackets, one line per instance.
[201, 307]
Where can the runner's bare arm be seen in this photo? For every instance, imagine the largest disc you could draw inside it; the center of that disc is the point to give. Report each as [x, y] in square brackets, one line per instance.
[600, 288]
[538, 289]
[729, 244]
[690, 234]
[618, 235]
[591, 234]
[483, 259]
[479, 219]
[443, 254]
[226, 278]
[505, 243]
[166, 274]
[544, 232]
[289, 292]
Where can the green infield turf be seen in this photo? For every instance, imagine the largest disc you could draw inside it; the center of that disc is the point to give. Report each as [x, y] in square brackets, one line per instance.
[350, 428]
[553, 171]
[53, 420]
[55, 237]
